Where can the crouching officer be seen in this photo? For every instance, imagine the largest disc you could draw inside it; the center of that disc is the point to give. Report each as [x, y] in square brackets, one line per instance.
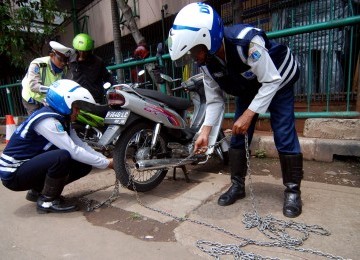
[44, 153]
[41, 73]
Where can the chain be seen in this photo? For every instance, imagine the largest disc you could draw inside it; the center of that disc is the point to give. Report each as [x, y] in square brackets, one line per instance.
[115, 194]
[272, 228]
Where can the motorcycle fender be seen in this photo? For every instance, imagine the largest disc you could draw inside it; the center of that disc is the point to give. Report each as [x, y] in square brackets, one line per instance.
[112, 131]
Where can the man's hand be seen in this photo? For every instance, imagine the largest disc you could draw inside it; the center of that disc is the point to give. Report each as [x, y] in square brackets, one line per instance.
[202, 142]
[243, 123]
[111, 163]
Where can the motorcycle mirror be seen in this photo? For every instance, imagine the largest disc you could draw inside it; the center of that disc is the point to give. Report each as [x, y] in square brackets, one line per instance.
[166, 77]
[107, 85]
[141, 72]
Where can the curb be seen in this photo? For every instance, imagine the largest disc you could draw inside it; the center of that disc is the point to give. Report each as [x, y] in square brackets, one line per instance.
[318, 149]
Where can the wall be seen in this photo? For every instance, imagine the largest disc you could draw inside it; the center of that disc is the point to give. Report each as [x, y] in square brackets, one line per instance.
[100, 20]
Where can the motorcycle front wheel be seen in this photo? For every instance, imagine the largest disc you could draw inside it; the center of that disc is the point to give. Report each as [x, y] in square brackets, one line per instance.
[132, 146]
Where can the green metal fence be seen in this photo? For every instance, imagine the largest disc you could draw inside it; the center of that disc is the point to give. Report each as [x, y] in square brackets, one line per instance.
[324, 36]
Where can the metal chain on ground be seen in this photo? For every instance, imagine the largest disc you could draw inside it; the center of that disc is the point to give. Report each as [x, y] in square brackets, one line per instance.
[115, 194]
[269, 226]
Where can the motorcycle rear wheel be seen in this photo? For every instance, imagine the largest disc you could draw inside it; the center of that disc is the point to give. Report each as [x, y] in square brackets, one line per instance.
[134, 145]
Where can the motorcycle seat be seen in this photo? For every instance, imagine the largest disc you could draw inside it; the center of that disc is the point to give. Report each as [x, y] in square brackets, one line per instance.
[176, 103]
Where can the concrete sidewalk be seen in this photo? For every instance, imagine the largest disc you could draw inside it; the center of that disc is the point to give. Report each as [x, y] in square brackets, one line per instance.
[106, 234]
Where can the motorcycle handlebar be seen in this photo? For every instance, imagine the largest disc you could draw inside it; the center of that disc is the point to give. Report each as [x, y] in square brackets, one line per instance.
[187, 86]
[140, 84]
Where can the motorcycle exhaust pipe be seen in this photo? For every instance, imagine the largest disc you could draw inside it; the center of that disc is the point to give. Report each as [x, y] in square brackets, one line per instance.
[156, 164]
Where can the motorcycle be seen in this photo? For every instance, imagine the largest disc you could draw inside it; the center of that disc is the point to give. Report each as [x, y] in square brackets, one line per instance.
[154, 135]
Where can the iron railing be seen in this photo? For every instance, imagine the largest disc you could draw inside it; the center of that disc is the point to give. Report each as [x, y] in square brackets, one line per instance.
[326, 50]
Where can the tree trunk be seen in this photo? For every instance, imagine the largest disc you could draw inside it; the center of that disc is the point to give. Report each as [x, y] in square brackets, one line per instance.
[129, 21]
[117, 40]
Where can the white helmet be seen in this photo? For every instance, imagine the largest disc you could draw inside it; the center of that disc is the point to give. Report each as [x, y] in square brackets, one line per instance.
[64, 92]
[195, 24]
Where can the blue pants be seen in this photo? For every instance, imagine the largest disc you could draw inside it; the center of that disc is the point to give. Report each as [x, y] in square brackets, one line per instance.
[56, 164]
[282, 121]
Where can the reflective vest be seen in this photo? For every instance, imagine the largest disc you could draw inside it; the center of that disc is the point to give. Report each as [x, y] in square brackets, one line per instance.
[47, 77]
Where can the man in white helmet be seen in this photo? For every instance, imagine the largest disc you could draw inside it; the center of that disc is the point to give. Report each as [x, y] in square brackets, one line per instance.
[44, 153]
[41, 73]
[240, 60]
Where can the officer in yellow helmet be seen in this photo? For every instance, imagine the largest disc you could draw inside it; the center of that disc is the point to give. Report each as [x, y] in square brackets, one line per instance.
[41, 73]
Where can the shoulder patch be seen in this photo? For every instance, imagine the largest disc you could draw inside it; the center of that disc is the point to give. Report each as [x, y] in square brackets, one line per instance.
[59, 127]
[248, 75]
[37, 70]
[254, 53]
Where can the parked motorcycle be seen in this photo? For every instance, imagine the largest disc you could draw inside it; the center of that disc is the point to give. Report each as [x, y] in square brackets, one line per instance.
[153, 133]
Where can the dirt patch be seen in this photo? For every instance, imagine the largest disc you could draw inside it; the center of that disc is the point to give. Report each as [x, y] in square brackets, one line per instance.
[133, 224]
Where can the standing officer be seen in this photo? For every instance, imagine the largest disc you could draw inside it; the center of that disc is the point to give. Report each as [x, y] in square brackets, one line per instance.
[41, 73]
[260, 73]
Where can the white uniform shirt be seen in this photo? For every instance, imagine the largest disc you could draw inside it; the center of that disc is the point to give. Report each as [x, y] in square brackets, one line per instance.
[51, 129]
[266, 73]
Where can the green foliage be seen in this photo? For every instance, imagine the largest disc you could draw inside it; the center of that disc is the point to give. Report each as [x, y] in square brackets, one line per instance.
[25, 27]
[260, 153]
[135, 216]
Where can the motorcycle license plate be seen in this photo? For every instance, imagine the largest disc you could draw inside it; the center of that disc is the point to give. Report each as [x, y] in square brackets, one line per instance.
[117, 117]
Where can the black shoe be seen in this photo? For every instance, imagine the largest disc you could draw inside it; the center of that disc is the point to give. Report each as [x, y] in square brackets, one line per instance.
[33, 195]
[234, 193]
[292, 205]
[46, 205]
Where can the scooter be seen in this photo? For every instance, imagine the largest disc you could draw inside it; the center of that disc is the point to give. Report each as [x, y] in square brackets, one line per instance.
[153, 133]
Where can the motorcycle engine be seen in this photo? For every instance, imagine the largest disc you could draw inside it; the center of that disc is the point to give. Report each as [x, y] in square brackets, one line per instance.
[179, 150]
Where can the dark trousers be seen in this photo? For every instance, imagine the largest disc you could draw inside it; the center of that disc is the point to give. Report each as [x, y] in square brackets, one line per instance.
[282, 121]
[56, 164]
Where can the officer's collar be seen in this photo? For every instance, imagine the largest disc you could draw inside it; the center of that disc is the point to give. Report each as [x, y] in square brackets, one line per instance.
[54, 68]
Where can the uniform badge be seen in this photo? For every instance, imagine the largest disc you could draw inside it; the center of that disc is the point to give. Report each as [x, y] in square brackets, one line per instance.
[254, 54]
[59, 127]
[248, 75]
[37, 70]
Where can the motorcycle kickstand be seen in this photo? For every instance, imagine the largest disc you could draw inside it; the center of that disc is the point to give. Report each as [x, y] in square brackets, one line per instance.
[186, 174]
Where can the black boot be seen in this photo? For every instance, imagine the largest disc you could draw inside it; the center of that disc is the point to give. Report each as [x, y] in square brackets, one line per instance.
[32, 195]
[238, 169]
[50, 201]
[292, 172]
